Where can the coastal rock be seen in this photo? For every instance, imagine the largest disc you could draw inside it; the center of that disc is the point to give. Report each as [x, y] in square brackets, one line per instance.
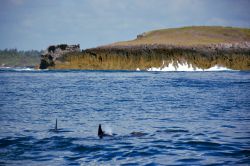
[231, 55]
[54, 52]
[200, 46]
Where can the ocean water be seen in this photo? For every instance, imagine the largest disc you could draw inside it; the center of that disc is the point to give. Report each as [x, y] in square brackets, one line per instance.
[176, 118]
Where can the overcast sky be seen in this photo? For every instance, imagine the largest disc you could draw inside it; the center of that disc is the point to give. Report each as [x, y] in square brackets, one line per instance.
[35, 24]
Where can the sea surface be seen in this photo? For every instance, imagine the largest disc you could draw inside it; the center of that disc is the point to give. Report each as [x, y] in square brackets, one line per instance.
[155, 118]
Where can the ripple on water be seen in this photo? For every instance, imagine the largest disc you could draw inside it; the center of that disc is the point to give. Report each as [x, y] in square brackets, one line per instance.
[172, 131]
[178, 118]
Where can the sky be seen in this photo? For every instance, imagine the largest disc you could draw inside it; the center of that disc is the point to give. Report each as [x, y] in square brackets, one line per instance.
[36, 24]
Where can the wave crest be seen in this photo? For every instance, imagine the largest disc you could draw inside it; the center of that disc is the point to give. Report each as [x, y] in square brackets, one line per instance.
[185, 67]
[18, 69]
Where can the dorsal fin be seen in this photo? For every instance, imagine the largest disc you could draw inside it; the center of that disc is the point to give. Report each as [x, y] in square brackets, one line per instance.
[100, 132]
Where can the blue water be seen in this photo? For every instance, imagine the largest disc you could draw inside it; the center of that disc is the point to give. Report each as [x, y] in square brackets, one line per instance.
[180, 118]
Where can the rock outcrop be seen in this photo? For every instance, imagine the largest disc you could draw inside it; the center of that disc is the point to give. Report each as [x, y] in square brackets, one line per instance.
[54, 52]
[231, 55]
[202, 47]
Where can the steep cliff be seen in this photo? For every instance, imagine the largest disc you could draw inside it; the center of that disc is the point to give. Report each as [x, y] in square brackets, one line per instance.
[54, 52]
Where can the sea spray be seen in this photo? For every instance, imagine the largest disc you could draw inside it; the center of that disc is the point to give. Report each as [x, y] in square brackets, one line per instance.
[19, 69]
[185, 67]
[108, 130]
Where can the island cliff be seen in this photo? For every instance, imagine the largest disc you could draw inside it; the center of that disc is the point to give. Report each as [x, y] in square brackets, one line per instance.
[55, 52]
[199, 47]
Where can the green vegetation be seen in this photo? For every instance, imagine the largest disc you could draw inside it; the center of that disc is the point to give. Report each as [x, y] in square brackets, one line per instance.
[15, 58]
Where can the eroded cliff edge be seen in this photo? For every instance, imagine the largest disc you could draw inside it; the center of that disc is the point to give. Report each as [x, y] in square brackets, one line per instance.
[199, 47]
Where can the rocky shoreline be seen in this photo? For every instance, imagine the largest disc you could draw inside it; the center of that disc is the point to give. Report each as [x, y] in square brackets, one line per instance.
[54, 52]
[122, 57]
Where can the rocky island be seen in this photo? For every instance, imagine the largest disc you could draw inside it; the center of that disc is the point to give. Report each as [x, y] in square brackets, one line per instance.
[200, 47]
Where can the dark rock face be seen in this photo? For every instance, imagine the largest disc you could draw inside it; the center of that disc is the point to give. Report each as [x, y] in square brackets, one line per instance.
[52, 53]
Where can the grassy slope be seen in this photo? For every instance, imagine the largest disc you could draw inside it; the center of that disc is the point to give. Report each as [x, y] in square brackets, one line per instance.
[114, 57]
[190, 36]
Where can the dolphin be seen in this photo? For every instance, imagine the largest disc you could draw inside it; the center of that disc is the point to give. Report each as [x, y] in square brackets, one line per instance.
[137, 134]
[58, 130]
[101, 133]
[55, 129]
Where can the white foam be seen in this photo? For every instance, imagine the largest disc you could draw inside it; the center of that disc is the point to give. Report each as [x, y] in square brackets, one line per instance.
[24, 69]
[108, 130]
[19, 69]
[217, 68]
[185, 67]
[5, 67]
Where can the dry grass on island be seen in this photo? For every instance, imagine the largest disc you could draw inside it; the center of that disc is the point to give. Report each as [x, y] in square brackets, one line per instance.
[190, 36]
[201, 47]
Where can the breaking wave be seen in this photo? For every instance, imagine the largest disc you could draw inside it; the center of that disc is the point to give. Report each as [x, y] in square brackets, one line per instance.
[185, 67]
[19, 69]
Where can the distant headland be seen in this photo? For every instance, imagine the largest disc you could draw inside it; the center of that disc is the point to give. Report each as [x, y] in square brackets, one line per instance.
[199, 47]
